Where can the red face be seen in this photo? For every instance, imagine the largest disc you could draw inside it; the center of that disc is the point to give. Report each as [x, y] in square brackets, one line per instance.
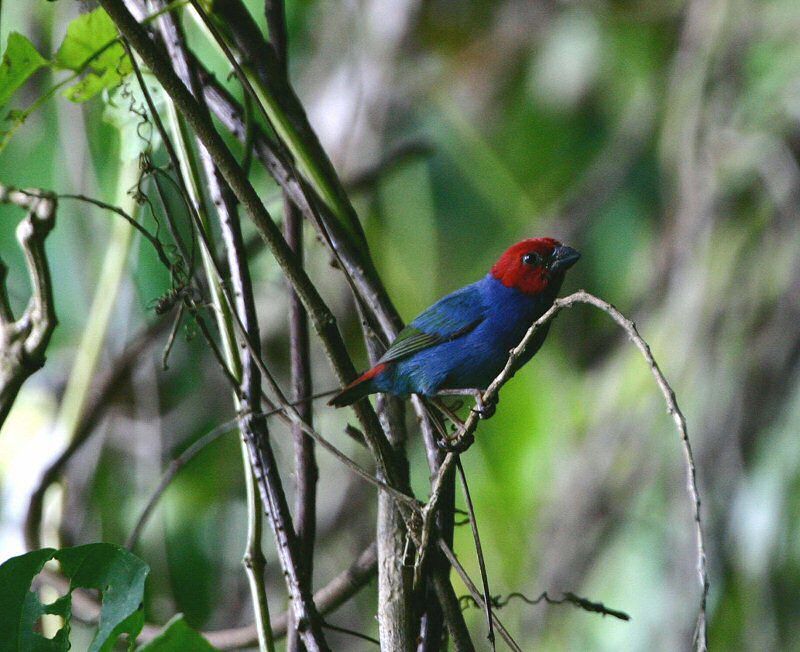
[530, 265]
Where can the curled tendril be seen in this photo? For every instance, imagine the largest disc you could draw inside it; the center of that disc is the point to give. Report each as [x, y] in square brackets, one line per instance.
[498, 602]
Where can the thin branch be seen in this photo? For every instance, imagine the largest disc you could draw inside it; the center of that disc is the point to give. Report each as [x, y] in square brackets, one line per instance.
[439, 611]
[254, 428]
[23, 342]
[350, 632]
[490, 396]
[504, 634]
[168, 476]
[275, 13]
[305, 464]
[479, 551]
[452, 614]
[321, 317]
[153, 240]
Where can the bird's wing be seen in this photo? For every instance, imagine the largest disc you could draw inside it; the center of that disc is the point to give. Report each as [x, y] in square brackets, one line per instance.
[447, 319]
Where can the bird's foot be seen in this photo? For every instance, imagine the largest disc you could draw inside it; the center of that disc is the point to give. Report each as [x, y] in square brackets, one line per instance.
[456, 446]
[484, 409]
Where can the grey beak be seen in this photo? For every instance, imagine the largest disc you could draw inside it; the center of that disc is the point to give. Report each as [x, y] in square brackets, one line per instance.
[563, 258]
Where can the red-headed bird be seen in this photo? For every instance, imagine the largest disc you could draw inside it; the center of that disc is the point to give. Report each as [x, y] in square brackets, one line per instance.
[462, 342]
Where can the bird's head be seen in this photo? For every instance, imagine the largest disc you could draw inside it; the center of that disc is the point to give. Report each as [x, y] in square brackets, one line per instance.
[531, 266]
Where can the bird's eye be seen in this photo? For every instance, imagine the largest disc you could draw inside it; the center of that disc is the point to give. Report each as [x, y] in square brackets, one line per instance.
[532, 259]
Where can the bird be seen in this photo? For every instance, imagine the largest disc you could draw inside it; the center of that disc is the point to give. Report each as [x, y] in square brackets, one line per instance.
[462, 342]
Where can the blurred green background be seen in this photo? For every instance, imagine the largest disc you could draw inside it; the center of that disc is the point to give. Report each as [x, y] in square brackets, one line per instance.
[661, 139]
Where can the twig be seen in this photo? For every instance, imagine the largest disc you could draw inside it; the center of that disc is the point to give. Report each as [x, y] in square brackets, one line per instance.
[439, 611]
[451, 612]
[172, 470]
[320, 315]
[254, 429]
[305, 464]
[498, 602]
[350, 632]
[23, 341]
[504, 634]
[479, 552]
[275, 13]
[490, 396]
[153, 240]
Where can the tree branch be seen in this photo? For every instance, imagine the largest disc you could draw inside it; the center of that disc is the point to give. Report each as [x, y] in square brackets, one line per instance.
[253, 426]
[305, 464]
[104, 388]
[23, 342]
[321, 317]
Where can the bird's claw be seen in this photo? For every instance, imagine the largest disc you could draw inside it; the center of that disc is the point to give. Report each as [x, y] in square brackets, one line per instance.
[456, 446]
[485, 410]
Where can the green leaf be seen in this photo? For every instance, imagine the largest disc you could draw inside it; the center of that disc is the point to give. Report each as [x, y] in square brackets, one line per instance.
[87, 35]
[19, 608]
[177, 636]
[91, 85]
[118, 575]
[20, 61]
[91, 42]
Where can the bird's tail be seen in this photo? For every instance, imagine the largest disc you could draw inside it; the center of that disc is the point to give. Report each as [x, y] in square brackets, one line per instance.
[359, 388]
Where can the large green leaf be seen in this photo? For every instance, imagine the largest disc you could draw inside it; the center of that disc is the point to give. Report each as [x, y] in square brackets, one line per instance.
[85, 35]
[20, 61]
[177, 636]
[118, 575]
[91, 42]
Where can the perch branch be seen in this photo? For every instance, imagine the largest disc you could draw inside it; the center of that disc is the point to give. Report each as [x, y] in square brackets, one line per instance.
[490, 395]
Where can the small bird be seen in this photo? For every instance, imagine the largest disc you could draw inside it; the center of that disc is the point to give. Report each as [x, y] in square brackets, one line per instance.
[462, 342]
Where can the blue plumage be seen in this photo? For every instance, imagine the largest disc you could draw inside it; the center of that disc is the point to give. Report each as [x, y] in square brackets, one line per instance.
[475, 327]
[462, 341]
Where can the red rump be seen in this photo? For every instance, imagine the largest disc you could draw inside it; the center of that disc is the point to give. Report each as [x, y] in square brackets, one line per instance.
[355, 390]
[513, 273]
[367, 375]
